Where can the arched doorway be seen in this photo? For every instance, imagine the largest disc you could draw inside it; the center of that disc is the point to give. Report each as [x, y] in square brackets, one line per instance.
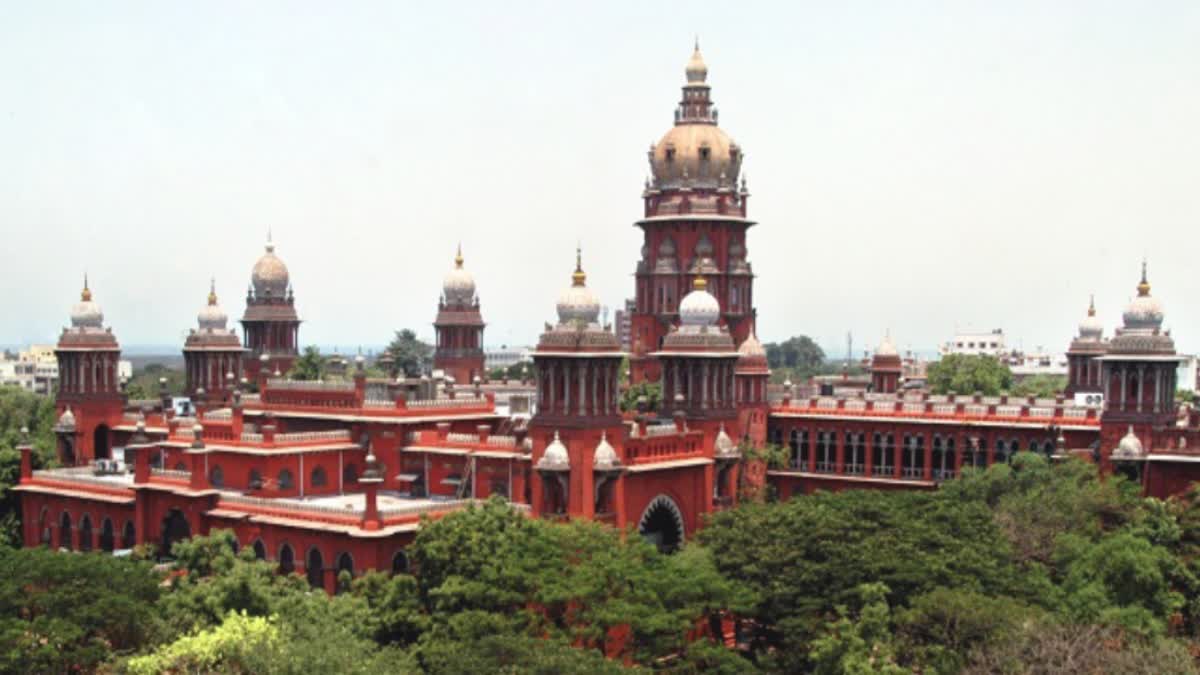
[260, 551]
[64, 531]
[100, 443]
[314, 569]
[128, 535]
[400, 563]
[85, 533]
[106, 536]
[44, 527]
[287, 560]
[174, 528]
[662, 524]
[345, 563]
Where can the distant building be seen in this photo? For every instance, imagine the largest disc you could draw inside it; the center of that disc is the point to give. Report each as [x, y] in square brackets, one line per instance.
[623, 323]
[972, 344]
[506, 356]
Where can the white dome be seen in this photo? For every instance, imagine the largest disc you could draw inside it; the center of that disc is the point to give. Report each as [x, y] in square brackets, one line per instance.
[1130, 446]
[555, 458]
[458, 287]
[577, 304]
[211, 316]
[886, 347]
[723, 444]
[606, 456]
[699, 308]
[270, 275]
[67, 419]
[1091, 328]
[1144, 312]
[86, 313]
[751, 347]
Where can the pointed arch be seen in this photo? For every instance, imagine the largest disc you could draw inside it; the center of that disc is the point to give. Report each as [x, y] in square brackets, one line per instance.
[662, 524]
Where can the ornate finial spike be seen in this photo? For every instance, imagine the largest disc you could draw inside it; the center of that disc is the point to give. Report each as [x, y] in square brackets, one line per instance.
[1092, 305]
[1144, 286]
[578, 278]
[212, 291]
[458, 259]
[86, 293]
[697, 43]
[699, 283]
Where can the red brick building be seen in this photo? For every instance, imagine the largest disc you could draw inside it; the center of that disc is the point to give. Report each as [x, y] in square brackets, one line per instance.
[458, 351]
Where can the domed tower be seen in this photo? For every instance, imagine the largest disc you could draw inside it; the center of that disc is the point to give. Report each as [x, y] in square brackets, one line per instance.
[694, 223]
[1083, 370]
[212, 355]
[751, 376]
[886, 368]
[270, 325]
[89, 400]
[1138, 375]
[459, 326]
[578, 367]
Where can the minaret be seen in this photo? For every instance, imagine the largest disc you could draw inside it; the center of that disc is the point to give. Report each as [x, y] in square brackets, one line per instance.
[212, 355]
[694, 223]
[886, 367]
[1083, 370]
[751, 377]
[89, 390]
[577, 432]
[270, 325]
[459, 326]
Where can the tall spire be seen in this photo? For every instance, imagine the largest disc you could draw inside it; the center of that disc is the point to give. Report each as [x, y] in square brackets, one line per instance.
[270, 242]
[212, 291]
[578, 278]
[86, 294]
[1092, 305]
[1143, 287]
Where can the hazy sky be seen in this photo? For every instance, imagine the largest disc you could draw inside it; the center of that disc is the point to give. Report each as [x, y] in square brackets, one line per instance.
[913, 166]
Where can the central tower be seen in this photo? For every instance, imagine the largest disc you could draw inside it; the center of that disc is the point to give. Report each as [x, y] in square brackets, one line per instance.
[694, 225]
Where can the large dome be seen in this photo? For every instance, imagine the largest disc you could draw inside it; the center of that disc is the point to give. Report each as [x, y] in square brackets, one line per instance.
[86, 313]
[699, 308]
[270, 275]
[577, 304]
[458, 288]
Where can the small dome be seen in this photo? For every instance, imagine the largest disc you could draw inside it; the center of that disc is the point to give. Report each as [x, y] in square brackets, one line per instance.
[886, 348]
[86, 313]
[66, 421]
[1091, 327]
[1144, 312]
[577, 304]
[1130, 446]
[270, 275]
[555, 458]
[751, 348]
[211, 316]
[605, 457]
[458, 287]
[699, 308]
[723, 445]
[696, 70]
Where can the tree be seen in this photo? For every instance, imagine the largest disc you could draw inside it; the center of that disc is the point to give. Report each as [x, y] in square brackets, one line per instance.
[800, 354]
[1041, 386]
[61, 613]
[408, 354]
[651, 390]
[967, 374]
[310, 365]
[21, 409]
[145, 382]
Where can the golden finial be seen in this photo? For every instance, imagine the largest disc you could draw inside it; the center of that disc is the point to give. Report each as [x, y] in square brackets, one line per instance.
[1144, 286]
[458, 259]
[578, 278]
[700, 283]
[212, 291]
[1092, 305]
[86, 294]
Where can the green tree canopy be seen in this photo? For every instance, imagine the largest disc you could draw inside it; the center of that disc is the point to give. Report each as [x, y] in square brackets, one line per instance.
[967, 374]
[310, 365]
[409, 355]
[800, 354]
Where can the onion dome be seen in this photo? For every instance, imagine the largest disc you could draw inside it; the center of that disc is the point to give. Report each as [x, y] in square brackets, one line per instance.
[605, 457]
[555, 458]
[458, 287]
[211, 316]
[1091, 328]
[886, 348]
[699, 308]
[1130, 446]
[578, 305]
[696, 71]
[66, 421]
[86, 313]
[1144, 312]
[723, 445]
[270, 275]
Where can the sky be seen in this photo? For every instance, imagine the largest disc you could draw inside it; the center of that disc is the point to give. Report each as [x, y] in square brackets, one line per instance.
[916, 167]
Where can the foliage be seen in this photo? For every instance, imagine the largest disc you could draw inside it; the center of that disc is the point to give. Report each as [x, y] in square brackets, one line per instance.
[862, 645]
[409, 355]
[310, 365]
[651, 390]
[20, 408]
[967, 374]
[63, 612]
[1185, 396]
[144, 384]
[800, 354]
[1041, 386]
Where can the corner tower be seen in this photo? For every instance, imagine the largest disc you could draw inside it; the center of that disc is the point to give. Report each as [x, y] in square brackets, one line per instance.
[89, 402]
[459, 326]
[271, 325]
[1083, 370]
[694, 224]
[212, 355]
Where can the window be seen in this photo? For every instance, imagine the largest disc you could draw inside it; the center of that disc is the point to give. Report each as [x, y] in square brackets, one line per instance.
[350, 474]
[319, 479]
[400, 563]
[128, 535]
[216, 476]
[285, 480]
[287, 560]
[256, 481]
[260, 550]
[180, 466]
[704, 152]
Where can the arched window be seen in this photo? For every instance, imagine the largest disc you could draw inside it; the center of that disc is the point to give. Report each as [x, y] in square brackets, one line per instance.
[260, 550]
[345, 563]
[319, 479]
[85, 533]
[181, 466]
[216, 477]
[314, 569]
[128, 535]
[107, 536]
[854, 453]
[400, 563]
[825, 451]
[44, 526]
[64, 531]
[883, 449]
[255, 481]
[285, 480]
[287, 559]
[350, 474]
